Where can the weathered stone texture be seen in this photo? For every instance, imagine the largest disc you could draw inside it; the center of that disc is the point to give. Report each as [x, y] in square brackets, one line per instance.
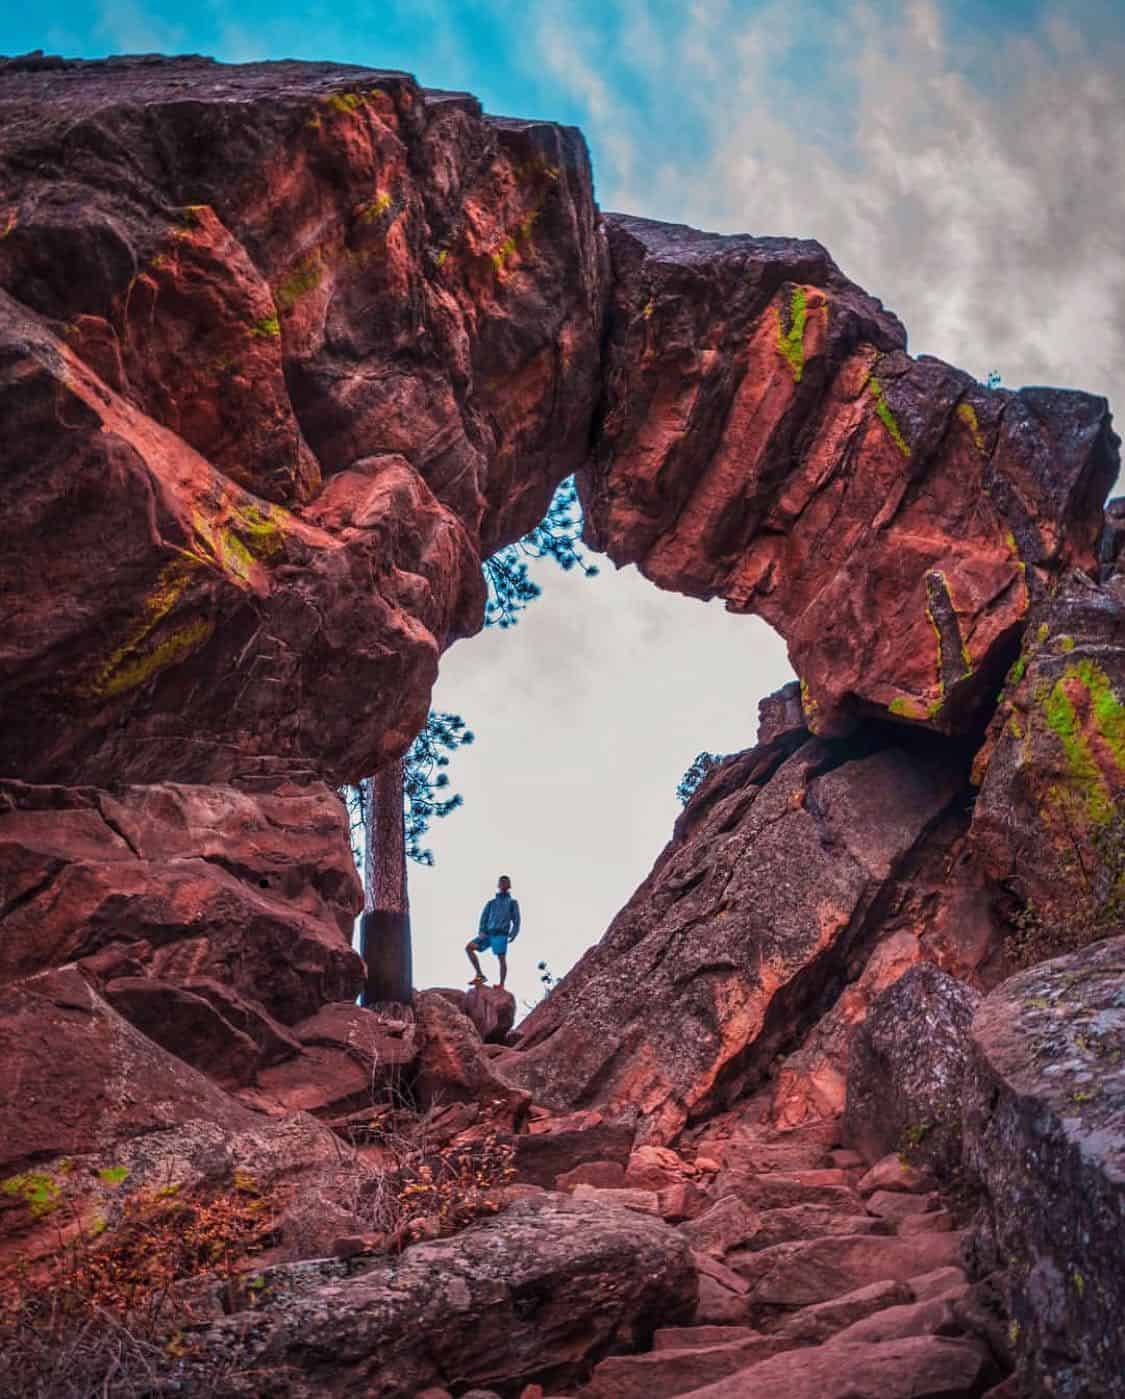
[256, 890]
[538, 1294]
[728, 949]
[906, 1068]
[1045, 1135]
[284, 349]
[765, 439]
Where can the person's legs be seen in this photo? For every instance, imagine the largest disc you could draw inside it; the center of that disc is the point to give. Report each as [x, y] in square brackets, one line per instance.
[470, 949]
[503, 969]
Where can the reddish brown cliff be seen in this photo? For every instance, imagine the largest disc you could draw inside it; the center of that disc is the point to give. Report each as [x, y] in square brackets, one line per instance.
[285, 348]
[765, 439]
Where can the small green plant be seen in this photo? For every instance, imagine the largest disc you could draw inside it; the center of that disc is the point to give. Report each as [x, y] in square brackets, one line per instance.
[1087, 902]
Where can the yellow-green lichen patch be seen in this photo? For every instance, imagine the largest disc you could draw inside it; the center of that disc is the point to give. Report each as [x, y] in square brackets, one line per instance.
[134, 670]
[375, 208]
[132, 662]
[791, 338]
[968, 415]
[305, 277]
[113, 1175]
[7, 225]
[647, 309]
[886, 417]
[1065, 644]
[442, 254]
[1016, 674]
[267, 328]
[1107, 714]
[39, 1191]
[1042, 633]
[345, 101]
[907, 708]
[508, 248]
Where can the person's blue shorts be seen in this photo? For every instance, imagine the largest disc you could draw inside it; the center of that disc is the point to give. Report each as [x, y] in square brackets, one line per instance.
[497, 941]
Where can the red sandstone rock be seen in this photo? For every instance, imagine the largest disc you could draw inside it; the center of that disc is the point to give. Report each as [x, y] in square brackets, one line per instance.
[492, 1010]
[766, 440]
[326, 353]
[185, 1025]
[818, 1323]
[79, 1078]
[643, 1201]
[254, 890]
[692, 1337]
[663, 1373]
[934, 1317]
[452, 1067]
[896, 1205]
[906, 1066]
[894, 1172]
[1052, 771]
[537, 1293]
[606, 1175]
[350, 1060]
[923, 1367]
[542, 1157]
[723, 951]
[797, 1274]
[682, 1202]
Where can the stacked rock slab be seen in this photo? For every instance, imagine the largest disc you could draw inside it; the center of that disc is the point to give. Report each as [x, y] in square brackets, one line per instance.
[284, 348]
[766, 439]
[1045, 1134]
[785, 877]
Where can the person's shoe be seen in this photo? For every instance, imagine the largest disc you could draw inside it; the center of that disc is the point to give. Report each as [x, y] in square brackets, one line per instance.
[479, 981]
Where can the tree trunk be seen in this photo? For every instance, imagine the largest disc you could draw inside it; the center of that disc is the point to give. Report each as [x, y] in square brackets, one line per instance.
[385, 934]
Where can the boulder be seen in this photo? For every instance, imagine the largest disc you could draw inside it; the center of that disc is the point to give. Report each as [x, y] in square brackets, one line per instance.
[724, 952]
[492, 1009]
[544, 1156]
[79, 1078]
[186, 1025]
[922, 1367]
[798, 1274]
[1045, 1137]
[606, 1175]
[665, 1372]
[643, 1201]
[906, 1066]
[351, 1058]
[934, 1317]
[894, 1172]
[813, 1325]
[253, 889]
[741, 373]
[453, 1068]
[322, 360]
[536, 1294]
[1049, 817]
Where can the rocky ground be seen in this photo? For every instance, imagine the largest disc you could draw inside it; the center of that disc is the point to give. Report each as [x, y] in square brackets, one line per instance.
[286, 350]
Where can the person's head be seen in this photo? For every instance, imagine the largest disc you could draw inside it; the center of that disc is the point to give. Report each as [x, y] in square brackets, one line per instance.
[503, 884]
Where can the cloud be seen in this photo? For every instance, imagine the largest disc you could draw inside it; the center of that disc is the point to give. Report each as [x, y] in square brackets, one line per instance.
[973, 180]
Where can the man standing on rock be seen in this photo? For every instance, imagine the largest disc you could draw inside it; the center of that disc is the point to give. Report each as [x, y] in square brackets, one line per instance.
[499, 925]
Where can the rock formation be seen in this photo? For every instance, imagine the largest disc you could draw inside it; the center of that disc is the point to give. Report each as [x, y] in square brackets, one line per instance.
[1045, 1134]
[285, 351]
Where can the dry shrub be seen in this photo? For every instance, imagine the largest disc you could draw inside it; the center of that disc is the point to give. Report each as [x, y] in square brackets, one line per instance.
[100, 1316]
[442, 1194]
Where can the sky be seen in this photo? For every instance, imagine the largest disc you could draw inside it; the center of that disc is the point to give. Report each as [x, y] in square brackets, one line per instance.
[962, 161]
